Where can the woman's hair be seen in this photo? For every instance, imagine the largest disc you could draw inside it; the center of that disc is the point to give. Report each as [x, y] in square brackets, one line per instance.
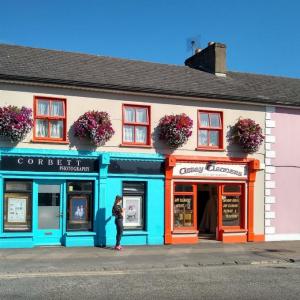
[118, 198]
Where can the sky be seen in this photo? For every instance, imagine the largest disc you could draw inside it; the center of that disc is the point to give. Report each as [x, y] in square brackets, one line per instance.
[262, 36]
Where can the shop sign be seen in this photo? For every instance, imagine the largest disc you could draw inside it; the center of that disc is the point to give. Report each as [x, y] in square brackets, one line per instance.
[210, 170]
[49, 164]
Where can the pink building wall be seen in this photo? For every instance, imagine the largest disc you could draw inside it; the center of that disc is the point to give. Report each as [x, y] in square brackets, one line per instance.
[286, 176]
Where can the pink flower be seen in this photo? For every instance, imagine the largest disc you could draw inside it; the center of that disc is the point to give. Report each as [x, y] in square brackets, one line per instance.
[94, 125]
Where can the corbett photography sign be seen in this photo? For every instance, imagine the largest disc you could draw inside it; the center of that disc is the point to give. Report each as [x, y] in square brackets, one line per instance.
[210, 170]
[48, 164]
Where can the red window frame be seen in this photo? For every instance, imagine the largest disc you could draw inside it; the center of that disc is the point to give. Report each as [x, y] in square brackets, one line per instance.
[210, 128]
[49, 118]
[241, 194]
[135, 124]
[192, 193]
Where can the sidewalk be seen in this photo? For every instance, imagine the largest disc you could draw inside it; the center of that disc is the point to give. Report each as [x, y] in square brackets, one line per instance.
[208, 253]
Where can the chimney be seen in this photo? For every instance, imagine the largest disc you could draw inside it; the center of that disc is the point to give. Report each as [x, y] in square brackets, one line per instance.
[212, 59]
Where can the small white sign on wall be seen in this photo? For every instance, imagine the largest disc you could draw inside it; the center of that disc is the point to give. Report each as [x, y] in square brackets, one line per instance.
[210, 170]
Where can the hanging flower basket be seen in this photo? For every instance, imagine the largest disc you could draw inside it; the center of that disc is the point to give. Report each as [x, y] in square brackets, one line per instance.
[95, 126]
[15, 122]
[247, 134]
[175, 130]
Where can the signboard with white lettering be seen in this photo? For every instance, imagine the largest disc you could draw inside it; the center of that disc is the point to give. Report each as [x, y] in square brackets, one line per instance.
[211, 170]
[46, 164]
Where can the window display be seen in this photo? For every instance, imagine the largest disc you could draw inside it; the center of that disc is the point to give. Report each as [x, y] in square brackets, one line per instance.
[80, 205]
[17, 206]
[231, 210]
[183, 211]
[133, 203]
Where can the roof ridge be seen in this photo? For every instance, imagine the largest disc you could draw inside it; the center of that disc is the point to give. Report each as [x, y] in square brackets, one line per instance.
[92, 55]
[263, 75]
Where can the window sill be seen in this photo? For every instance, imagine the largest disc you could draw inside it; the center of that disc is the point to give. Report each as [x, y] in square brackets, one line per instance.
[188, 230]
[135, 146]
[80, 233]
[49, 142]
[134, 232]
[16, 234]
[234, 230]
[210, 149]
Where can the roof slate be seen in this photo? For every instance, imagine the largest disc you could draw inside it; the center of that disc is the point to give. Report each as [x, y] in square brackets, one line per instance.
[60, 67]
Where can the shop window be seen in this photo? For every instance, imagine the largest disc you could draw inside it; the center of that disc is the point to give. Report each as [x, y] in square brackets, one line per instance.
[49, 119]
[80, 205]
[210, 130]
[134, 202]
[232, 206]
[136, 125]
[17, 205]
[184, 206]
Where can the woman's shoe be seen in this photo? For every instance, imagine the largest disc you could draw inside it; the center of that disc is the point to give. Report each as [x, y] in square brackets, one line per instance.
[118, 248]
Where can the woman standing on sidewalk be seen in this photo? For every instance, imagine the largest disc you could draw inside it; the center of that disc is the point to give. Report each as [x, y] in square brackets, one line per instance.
[118, 211]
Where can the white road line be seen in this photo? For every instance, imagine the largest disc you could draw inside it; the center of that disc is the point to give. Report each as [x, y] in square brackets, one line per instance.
[80, 273]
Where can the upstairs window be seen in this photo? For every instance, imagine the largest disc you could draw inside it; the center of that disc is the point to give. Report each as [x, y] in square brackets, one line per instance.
[136, 125]
[49, 119]
[210, 130]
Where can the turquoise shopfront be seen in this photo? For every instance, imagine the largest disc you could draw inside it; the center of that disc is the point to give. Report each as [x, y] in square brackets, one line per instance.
[51, 197]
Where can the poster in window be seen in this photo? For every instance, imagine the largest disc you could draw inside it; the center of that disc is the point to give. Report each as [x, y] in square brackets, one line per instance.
[132, 214]
[78, 209]
[231, 210]
[16, 210]
[183, 211]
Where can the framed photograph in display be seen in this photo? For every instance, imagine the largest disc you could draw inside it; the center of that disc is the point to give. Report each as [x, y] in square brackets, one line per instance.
[133, 211]
[16, 209]
[79, 209]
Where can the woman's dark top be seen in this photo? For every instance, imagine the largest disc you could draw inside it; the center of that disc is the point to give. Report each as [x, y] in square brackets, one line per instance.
[117, 211]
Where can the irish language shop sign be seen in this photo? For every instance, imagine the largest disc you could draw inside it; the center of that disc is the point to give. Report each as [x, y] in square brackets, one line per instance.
[210, 170]
[46, 164]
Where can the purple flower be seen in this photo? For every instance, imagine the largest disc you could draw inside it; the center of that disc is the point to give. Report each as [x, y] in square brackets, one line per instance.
[15, 123]
[247, 134]
[175, 129]
[94, 125]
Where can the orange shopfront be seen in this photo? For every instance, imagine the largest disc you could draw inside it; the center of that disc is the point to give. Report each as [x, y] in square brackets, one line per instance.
[209, 198]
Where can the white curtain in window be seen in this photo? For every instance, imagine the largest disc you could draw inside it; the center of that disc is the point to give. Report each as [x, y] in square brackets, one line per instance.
[129, 114]
[215, 120]
[41, 128]
[214, 138]
[141, 115]
[141, 134]
[56, 129]
[57, 108]
[43, 107]
[128, 134]
[203, 137]
[204, 121]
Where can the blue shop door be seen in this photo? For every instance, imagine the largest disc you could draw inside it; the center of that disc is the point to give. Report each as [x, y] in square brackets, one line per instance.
[50, 213]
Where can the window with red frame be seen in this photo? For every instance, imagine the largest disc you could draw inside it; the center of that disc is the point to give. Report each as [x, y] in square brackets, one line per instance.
[136, 125]
[49, 119]
[210, 129]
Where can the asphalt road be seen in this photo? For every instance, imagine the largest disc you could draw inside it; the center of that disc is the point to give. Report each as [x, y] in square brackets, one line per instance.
[262, 281]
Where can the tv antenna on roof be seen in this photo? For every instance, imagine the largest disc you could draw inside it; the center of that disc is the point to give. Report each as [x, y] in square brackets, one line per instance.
[193, 43]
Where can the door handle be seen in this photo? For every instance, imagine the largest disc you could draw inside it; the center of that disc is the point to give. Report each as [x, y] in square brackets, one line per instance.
[60, 215]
